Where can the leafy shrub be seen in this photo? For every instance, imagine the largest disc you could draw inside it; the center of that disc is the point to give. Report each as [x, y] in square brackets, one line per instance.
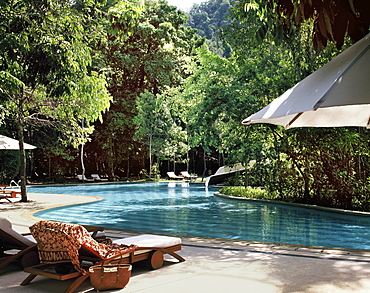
[248, 192]
[236, 180]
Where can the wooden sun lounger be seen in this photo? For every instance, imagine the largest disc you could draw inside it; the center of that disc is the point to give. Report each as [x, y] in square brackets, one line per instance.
[12, 240]
[133, 254]
[26, 245]
[6, 192]
[153, 254]
[3, 196]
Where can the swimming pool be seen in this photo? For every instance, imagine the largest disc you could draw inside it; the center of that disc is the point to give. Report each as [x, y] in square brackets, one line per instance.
[193, 210]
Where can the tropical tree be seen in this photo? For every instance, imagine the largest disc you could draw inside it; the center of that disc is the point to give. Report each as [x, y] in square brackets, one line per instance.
[150, 59]
[221, 92]
[153, 124]
[297, 167]
[209, 17]
[45, 69]
[158, 130]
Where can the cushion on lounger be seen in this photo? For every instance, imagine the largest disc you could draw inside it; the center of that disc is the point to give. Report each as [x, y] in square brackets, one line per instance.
[6, 226]
[150, 240]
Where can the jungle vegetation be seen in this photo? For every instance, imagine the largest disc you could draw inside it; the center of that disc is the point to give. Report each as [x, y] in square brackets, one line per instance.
[134, 89]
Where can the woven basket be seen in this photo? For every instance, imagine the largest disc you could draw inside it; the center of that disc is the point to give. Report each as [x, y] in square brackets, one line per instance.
[110, 276]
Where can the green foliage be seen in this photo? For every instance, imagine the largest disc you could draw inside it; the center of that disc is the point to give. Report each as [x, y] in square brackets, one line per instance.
[208, 95]
[45, 68]
[89, 98]
[157, 128]
[49, 74]
[123, 18]
[292, 164]
[235, 180]
[248, 192]
[222, 92]
[326, 166]
[169, 91]
[155, 171]
[148, 61]
[9, 166]
[209, 18]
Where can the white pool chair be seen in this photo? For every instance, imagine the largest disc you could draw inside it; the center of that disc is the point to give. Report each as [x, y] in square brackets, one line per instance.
[83, 178]
[172, 175]
[96, 177]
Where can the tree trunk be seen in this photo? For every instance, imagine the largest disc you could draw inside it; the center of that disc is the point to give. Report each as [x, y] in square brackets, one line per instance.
[82, 162]
[174, 163]
[204, 164]
[150, 156]
[22, 152]
[128, 168]
[187, 161]
[110, 159]
[306, 179]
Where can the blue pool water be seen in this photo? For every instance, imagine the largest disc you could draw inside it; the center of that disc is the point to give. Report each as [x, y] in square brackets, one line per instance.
[194, 210]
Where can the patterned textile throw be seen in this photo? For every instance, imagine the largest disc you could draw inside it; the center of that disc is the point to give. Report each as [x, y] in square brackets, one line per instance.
[59, 243]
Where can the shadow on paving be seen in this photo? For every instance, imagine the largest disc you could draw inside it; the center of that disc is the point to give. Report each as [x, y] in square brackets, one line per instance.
[210, 268]
[291, 271]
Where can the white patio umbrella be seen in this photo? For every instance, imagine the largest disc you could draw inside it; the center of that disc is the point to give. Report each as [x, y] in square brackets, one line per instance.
[7, 143]
[337, 94]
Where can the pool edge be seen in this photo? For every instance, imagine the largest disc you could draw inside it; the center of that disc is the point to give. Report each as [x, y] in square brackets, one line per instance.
[307, 206]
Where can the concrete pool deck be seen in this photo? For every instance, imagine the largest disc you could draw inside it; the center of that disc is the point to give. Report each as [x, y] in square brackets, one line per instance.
[212, 265]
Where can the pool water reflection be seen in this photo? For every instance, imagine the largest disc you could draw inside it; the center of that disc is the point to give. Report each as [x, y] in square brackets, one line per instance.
[193, 210]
